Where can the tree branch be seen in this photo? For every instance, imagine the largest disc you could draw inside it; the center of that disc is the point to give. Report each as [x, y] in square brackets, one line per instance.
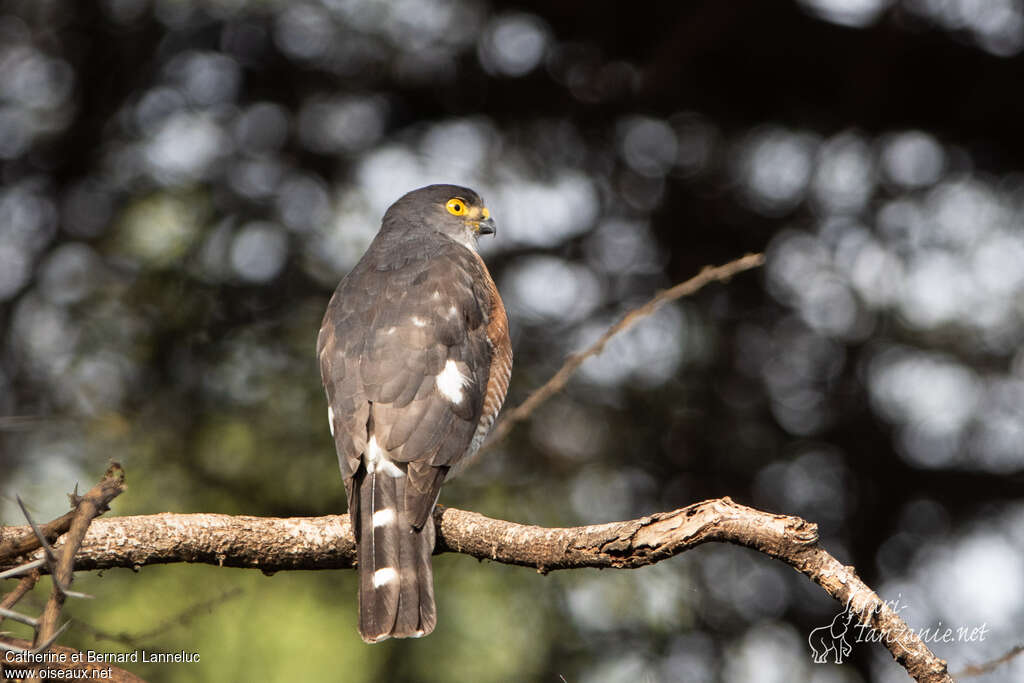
[273, 544]
[22, 544]
[87, 508]
[27, 583]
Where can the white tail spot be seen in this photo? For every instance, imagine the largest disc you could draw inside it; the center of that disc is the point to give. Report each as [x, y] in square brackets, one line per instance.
[377, 460]
[383, 517]
[450, 382]
[383, 576]
[330, 419]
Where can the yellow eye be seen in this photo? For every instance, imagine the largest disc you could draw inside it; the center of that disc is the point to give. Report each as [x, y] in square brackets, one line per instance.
[456, 206]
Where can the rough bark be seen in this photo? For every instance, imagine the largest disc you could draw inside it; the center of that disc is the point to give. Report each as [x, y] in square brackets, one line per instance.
[271, 545]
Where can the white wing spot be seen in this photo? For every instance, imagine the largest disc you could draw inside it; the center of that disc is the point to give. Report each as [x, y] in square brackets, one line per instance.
[383, 576]
[450, 382]
[330, 419]
[435, 295]
[383, 517]
[391, 330]
[418, 322]
[377, 460]
[452, 311]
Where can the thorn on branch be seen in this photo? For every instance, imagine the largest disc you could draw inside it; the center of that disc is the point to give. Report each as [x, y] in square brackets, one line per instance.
[60, 563]
[94, 503]
[20, 618]
[50, 556]
[18, 571]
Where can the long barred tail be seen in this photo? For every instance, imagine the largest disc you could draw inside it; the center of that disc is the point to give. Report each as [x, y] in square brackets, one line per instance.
[396, 583]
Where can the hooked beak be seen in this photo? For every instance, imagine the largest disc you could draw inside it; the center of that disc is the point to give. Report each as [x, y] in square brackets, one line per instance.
[486, 226]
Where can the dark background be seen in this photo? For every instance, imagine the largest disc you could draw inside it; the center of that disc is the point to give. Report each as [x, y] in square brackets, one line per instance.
[185, 181]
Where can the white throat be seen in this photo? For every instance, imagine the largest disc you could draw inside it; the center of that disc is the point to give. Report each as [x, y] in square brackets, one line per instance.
[467, 239]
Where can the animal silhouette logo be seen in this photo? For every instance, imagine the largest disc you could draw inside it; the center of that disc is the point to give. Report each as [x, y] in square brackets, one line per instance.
[831, 639]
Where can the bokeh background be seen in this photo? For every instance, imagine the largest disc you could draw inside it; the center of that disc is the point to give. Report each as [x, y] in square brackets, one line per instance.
[185, 181]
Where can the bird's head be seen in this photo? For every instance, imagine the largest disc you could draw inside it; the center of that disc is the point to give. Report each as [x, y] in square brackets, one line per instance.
[454, 211]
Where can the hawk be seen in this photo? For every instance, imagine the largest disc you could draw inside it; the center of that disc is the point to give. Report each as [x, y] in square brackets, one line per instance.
[415, 358]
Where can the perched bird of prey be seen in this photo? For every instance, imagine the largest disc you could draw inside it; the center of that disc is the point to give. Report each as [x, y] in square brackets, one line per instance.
[415, 358]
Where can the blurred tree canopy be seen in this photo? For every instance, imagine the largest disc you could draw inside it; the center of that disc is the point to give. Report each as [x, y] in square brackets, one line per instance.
[185, 181]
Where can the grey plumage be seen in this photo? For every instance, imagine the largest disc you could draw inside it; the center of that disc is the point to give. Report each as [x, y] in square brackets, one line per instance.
[414, 326]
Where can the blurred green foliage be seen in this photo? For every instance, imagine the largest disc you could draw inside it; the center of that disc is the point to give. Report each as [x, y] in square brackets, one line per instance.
[183, 182]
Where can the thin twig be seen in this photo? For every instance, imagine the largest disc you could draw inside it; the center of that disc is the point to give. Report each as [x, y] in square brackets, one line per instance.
[988, 667]
[87, 508]
[27, 583]
[572, 363]
[182, 618]
[11, 423]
